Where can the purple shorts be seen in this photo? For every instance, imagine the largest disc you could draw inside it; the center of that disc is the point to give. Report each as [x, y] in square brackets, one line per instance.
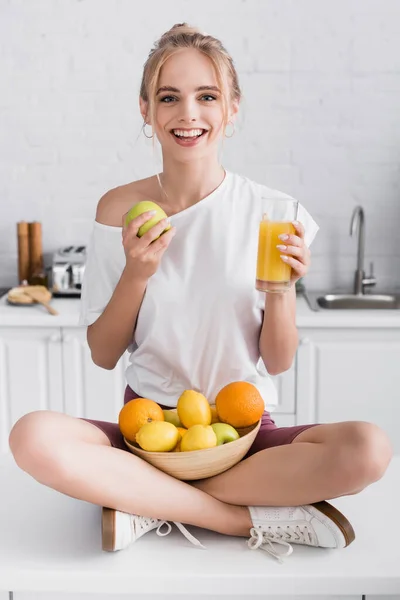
[269, 434]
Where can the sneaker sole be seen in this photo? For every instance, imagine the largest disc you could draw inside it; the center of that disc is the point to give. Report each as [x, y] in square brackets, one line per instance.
[108, 529]
[338, 518]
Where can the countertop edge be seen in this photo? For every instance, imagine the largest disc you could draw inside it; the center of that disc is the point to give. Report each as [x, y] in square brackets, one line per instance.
[24, 580]
[68, 308]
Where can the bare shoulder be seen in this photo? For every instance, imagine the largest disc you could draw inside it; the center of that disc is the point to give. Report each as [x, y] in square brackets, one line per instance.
[116, 202]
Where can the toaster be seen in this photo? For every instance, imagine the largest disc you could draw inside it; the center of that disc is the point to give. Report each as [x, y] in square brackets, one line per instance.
[65, 273]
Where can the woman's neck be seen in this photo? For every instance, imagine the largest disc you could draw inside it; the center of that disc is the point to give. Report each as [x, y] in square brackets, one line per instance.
[186, 184]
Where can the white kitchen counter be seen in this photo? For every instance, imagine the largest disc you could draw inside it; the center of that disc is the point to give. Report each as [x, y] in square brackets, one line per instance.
[68, 308]
[36, 315]
[51, 542]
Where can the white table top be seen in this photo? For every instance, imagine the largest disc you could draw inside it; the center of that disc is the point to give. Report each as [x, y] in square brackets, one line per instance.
[50, 542]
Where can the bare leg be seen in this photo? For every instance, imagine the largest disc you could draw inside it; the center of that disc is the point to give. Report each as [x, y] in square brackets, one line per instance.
[75, 458]
[323, 462]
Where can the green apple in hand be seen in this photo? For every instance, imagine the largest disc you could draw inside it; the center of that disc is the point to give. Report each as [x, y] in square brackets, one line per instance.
[140, 208]
[225, 433]
[172, 417]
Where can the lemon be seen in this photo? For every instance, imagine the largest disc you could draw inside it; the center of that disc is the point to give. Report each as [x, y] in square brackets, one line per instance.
[198, 437]
[193, 409]
[157, 436]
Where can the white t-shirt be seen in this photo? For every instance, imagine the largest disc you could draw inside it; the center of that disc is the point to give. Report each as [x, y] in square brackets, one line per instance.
[200, 320]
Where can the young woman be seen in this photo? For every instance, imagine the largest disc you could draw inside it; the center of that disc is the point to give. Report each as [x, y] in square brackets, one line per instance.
[186, 307]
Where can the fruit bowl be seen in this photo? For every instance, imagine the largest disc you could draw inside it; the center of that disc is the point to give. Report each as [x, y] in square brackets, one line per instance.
[200, 464]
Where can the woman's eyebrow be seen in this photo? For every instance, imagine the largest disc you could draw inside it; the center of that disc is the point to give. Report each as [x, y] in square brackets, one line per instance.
[201, 88]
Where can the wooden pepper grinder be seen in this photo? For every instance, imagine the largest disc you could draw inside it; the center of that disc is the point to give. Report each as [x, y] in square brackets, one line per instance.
[23, 251]
[37, 275]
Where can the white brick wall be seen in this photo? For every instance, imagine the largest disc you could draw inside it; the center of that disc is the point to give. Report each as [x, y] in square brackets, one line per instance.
[320, 116]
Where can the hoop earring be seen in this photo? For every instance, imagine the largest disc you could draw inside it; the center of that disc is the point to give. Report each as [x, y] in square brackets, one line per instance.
[233, 131]
[149, 137]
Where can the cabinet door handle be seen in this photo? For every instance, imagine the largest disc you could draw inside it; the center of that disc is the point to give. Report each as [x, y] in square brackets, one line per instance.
[54, 338]
[304, 341]
[68, 339]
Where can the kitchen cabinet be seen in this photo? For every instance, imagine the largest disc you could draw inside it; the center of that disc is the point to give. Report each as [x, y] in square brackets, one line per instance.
[52, 369]
[349, 374]
[285, 385]
[30, 374]
[96, 393]
[338, 374]
[90, 391]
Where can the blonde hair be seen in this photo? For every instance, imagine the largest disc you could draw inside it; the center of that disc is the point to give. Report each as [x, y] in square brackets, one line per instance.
[182, 36]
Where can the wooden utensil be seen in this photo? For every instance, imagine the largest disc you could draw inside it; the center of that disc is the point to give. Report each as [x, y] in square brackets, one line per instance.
[35, 249]
[23, 251]
[36, 296]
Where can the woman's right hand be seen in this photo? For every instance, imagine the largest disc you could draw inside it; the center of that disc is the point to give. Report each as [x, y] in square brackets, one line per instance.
[143, 254]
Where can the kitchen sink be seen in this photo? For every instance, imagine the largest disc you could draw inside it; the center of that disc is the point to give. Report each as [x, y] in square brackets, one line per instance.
[361, 297]
[320, 301]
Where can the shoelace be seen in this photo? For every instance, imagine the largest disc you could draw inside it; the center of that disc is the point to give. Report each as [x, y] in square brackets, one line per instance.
[146, 523]
[265, 541]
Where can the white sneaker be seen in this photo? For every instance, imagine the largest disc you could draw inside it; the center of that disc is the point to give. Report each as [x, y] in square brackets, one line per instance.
[120, 529]
[319, 524]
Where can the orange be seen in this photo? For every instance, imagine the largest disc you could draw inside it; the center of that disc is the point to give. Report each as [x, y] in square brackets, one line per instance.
[182, 431]
[177, 447]
[240, 404]
[136, 413]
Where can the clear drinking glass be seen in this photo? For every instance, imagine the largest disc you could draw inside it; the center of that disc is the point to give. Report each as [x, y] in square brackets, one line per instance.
[273, 274]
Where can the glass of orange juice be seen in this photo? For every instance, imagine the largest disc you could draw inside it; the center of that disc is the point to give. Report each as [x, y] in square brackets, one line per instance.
[273, 274]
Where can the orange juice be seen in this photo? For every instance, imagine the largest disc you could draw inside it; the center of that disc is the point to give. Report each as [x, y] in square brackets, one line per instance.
[273, 275]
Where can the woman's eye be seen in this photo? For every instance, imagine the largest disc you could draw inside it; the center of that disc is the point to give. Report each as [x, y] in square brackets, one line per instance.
[170, 99]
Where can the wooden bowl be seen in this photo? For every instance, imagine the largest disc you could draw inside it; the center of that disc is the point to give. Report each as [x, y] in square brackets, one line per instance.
[200, 464]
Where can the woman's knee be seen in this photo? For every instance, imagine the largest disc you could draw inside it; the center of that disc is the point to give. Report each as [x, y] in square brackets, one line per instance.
[41, 442]
[369, 451]
[31, 437]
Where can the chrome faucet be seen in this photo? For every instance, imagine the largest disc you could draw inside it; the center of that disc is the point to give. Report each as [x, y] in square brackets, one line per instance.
[360, 280]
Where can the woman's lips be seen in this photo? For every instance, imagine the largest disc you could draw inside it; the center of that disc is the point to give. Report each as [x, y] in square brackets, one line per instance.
[189, 141]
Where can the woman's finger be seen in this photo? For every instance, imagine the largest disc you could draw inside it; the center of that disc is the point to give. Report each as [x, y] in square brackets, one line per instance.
[136, 223]
[293, 250]
[299, 227]
[159, 246]
[148, 238]
[291, 240]
[299, 267]
[301, 252]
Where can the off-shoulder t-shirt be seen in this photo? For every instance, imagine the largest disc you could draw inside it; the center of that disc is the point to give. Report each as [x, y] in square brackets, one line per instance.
[199, 324]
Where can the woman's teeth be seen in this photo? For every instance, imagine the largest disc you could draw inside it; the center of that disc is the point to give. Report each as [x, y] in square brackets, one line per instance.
[188, 134]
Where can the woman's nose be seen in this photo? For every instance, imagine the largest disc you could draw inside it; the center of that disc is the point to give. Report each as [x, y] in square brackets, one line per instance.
[189, 111]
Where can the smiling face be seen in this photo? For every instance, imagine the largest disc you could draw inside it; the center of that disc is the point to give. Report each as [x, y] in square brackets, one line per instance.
[189, 113]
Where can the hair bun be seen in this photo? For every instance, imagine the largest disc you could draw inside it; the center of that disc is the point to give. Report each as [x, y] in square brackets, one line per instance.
[177, 25]
[179, 29]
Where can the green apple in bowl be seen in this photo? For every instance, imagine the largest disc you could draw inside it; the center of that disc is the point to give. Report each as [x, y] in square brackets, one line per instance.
[171, 416]
[225, 433]
[145, 206]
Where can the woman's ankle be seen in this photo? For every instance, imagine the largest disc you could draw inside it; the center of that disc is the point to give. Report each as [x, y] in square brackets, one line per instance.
[239, 522]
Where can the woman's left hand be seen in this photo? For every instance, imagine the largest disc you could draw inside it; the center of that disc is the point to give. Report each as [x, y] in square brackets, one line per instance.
[295, 252]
